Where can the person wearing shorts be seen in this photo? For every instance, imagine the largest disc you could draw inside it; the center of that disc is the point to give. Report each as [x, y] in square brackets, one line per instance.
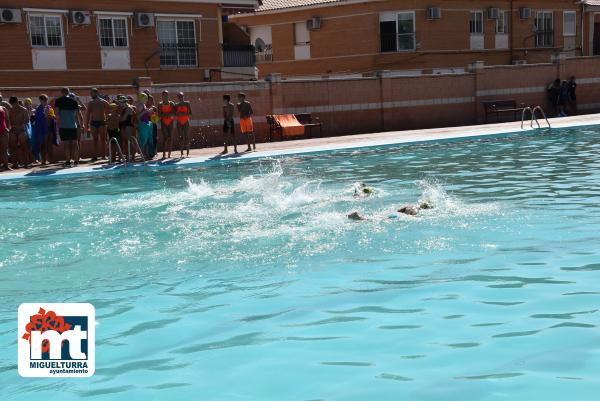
[246, 126]
[228, 124]
[68, 119]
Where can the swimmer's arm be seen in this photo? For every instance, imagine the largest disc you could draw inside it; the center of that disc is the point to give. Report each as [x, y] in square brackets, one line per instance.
[189, 108]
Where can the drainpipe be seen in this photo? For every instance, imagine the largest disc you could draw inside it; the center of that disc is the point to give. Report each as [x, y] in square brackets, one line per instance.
[510, 30]
[582, 30]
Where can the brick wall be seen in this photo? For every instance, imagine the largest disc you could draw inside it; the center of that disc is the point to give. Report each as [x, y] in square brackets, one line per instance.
[348, 40]
[83, 48]
[373, 104]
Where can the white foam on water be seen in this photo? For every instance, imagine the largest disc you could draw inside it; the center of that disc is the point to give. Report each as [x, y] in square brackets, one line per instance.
[446, 204]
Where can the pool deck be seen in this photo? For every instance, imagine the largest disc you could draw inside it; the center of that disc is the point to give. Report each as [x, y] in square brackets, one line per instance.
[271, 149]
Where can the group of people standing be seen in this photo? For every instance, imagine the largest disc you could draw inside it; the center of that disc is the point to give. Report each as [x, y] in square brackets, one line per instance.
[28, 134]
[563, 97]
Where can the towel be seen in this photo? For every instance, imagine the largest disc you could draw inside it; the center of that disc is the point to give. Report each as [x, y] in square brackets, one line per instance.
[290, 125]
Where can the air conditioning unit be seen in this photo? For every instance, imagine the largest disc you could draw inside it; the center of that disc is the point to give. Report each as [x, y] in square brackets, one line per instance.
[81, 17]
[519, 62]
[10, 16]
[493, 13]
[313, 24]
[434, 13]
[144, 20]
[525, 12]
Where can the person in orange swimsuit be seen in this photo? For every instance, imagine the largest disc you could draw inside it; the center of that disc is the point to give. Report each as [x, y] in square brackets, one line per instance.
[183, 112]
[166, 111]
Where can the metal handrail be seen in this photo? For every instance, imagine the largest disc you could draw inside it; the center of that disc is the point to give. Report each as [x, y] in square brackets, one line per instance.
[523, 116]
[139, 149]
[536, 108]
[533, 116]
[113, 139]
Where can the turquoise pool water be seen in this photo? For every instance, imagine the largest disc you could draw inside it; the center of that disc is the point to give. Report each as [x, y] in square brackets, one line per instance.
[245, 281]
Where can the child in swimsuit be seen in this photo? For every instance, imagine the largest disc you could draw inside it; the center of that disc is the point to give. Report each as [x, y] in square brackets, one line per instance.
[183, 112]
[166, 111]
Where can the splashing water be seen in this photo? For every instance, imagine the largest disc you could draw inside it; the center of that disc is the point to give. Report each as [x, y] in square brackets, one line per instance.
[251, 273]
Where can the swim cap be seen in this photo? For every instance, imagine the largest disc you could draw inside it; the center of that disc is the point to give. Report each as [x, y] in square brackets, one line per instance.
[28, 101]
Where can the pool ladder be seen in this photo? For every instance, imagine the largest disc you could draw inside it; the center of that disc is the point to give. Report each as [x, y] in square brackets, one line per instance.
[125, 159]
[532, 112]
[137, 146]
[116, 142]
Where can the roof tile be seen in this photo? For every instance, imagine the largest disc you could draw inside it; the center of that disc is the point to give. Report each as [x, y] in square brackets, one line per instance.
[270, 5]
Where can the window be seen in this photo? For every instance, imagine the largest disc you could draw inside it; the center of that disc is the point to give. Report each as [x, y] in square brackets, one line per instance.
[177, 41]
[406, 31]
[569, 23]
[544, 29]
[113, 32]
[301, 34]
[397, 31]
[476, 23]
[502, 23]
[46, 30]
[301, 41]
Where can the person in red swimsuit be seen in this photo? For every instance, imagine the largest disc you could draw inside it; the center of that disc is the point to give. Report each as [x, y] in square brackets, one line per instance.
[183, 112]
[166, 111]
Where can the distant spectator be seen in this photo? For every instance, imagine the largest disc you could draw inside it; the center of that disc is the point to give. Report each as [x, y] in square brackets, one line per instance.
[246, 127]
[183, 113]
[563, 99]
[572, 87]
[18, 144]
[228, 124]
[4, 130]
[553, 94]
[69, 121]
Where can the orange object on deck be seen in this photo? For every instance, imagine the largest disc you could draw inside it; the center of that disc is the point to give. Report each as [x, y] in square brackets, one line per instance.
[290, 126]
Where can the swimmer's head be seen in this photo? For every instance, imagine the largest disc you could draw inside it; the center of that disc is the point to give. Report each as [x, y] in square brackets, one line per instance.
[426, 205]
[410, 210]
[355, 216]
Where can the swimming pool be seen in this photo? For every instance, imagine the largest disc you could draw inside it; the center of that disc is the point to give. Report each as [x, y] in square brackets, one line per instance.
[246, 281]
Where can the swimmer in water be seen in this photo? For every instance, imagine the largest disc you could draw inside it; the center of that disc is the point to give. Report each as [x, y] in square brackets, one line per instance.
[356, 216]
[362, 190]
[413, 210]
